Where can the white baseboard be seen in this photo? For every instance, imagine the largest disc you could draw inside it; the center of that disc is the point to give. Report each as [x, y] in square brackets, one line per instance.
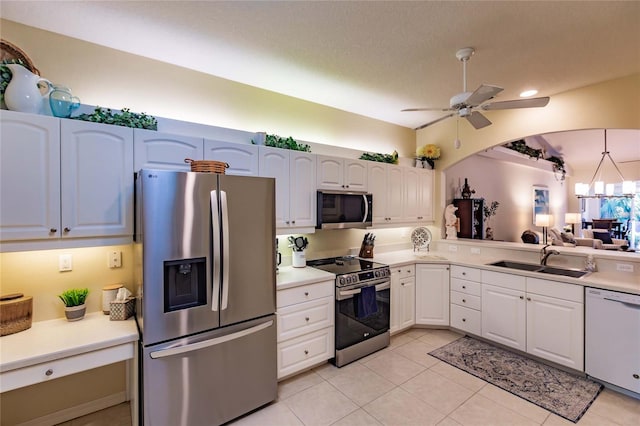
[77, 411]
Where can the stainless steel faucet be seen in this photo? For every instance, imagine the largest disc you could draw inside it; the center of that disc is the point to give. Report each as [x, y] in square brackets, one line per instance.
[544, 254]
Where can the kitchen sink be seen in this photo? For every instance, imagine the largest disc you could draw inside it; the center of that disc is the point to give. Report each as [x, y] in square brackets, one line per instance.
[532, 267]
[517, 265]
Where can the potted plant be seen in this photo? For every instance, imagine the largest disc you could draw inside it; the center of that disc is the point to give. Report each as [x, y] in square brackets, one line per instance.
[428, 154]
[488, 212]
[74, 301]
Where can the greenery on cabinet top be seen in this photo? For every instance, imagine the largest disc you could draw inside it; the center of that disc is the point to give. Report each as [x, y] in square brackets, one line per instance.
[126, 118]
[284, 143]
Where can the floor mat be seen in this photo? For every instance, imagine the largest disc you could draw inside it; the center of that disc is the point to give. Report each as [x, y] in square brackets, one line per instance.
[555, 390]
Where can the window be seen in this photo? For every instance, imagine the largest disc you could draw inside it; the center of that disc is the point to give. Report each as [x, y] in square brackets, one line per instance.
[626, 210]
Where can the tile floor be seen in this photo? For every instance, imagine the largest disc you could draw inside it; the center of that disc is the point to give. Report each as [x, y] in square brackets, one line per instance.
[396, 386]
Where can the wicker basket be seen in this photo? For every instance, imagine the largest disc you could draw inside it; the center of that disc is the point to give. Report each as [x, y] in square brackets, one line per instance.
[15, 313]
[207, 166]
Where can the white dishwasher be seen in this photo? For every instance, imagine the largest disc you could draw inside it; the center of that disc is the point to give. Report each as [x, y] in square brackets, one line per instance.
[612, 337]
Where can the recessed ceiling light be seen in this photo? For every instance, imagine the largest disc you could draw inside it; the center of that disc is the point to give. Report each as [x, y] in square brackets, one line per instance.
[528, 93]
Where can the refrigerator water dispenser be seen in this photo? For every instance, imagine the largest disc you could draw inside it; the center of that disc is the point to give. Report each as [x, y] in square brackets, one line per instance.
[185, 284]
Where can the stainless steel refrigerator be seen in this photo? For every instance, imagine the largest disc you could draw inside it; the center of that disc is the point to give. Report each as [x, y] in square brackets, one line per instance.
[206, 296]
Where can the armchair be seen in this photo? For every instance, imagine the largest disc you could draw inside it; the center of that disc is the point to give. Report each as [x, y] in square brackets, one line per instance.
[601, 239]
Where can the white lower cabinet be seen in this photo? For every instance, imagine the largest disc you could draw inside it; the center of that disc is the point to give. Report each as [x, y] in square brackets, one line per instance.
[432, 294]
[541, 317]
[403, 298]
[305, 323]
[466, 300]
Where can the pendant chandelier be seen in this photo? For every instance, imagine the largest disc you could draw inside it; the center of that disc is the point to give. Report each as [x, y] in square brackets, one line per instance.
[600, 189]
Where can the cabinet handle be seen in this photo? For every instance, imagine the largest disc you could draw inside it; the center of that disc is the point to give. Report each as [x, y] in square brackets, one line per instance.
[49, 372]
[464, 300]
[343, 186]
[306, 352]
[293, 221]
[635, 376]
[67, 229]
[464, 320]
[53, 230]
[521, 297]
[306, 319]
[306, 293]
[399, 270]
[287, 222]
[347, 186]
[464, 273]
[529, 299]
[464, 286]
[402, 284]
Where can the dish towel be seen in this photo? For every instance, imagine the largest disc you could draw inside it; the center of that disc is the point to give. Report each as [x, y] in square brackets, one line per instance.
[366, 302]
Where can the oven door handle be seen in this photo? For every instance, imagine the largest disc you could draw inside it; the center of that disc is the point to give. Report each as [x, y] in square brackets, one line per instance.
[379, 287]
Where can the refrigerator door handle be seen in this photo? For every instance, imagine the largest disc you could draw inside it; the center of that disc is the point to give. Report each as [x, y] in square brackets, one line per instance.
[225, 250]
[208, 343]
[215, 225]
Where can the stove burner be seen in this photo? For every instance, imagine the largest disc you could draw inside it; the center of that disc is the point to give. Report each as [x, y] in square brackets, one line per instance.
[351, 269]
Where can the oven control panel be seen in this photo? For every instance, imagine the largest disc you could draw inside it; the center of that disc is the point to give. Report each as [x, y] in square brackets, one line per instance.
[349, 279]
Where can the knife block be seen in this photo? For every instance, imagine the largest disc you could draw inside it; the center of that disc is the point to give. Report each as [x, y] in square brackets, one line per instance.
[366, 251]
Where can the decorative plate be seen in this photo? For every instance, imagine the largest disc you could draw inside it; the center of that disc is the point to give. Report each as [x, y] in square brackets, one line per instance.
[421, 237]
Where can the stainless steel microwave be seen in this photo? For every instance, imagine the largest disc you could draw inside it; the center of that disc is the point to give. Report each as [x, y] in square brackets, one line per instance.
[337, 210]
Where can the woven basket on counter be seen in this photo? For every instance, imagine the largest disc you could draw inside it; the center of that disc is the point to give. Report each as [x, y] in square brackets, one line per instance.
[207, 166]
[15, 313]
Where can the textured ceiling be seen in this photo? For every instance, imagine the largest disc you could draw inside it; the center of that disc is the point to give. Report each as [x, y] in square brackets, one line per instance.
[372, 58]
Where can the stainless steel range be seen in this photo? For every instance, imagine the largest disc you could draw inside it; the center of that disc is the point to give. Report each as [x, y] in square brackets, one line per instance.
[362, 311]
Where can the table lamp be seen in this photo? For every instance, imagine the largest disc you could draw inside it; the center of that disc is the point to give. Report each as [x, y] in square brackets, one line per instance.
[543, 220]
[572, 218]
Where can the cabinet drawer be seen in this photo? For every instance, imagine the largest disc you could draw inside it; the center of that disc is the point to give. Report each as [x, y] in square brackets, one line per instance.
[46, 371]
[302, 318]
[514, 282]
[305, 351]
[468, 300]
[465, 273]
[572, 292]
[404, 271]
[463, 286]
[304, 293]
[466, 319]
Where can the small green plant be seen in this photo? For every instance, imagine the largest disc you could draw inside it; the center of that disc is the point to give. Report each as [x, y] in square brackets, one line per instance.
[381, 158]
[490, 210]
[284, 143]
[126, 118]
[74, 296]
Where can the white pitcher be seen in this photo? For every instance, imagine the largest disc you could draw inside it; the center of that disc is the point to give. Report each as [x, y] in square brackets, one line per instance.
[22, 93]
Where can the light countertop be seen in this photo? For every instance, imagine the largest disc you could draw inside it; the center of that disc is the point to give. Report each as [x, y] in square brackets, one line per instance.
[54, 339]
[288, 276]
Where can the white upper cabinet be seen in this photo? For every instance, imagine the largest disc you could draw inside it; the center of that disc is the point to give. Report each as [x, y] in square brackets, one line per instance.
[385, 183]
[79, 183]
[341, 174]
[96, 179]
[294, 172]
[155, 150]
[29, 177]
[243, 159]
[425, 195]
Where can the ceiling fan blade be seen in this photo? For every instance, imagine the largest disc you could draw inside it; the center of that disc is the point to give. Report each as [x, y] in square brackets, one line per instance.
[482, 94]
[477, 120]
[435, 121]
[425, 109]
[518, 103]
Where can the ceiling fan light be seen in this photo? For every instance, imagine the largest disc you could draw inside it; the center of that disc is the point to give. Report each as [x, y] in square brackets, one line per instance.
[628, 187]
[598, 188]
[528, 93]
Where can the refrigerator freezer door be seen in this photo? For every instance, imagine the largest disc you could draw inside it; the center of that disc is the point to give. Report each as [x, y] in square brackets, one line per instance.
[211, 378]
[249, 273]
[176, 254]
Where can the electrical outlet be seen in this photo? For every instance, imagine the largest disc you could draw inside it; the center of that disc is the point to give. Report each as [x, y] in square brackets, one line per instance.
[624, 267]
[114, 259]
[453, 248]
[65, 263]
[475, 250]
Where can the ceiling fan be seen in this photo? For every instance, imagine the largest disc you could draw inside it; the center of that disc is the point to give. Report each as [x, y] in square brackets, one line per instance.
[465, 104]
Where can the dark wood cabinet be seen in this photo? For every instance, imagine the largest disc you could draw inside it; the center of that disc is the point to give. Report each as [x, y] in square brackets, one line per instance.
[470, 217]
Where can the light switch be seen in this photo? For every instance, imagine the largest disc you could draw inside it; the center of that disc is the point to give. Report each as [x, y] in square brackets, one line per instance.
[65, 262]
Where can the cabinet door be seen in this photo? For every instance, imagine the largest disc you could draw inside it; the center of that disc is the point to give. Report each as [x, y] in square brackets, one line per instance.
[274, 163]
[29, 177]
[504, 316]
[154, 150]
[432, 295]
[394, 197]
[355, 175]
[555, 330]
[302, 189]
[330, 173]
[97, 179]
[425, 195]
[377, 176]
[411, 195]
[407, 313]
[242, 158]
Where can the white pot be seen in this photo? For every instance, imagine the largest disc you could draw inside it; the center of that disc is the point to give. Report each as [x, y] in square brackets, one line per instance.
[75, 313]
[298, 260]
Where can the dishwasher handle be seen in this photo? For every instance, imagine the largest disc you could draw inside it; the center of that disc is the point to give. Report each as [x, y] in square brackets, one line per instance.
[629, 304]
